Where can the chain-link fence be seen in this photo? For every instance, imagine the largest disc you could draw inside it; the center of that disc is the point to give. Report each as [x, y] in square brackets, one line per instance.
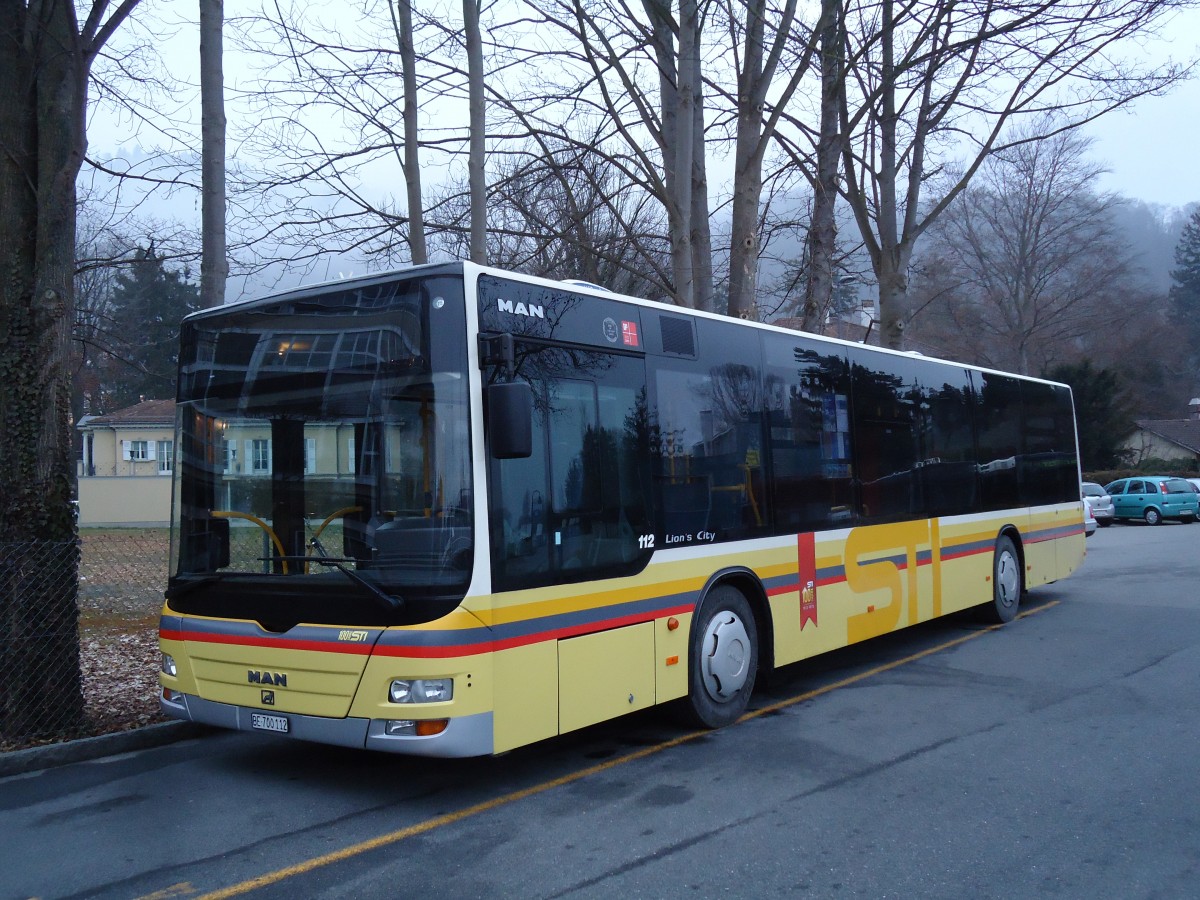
[80, 657]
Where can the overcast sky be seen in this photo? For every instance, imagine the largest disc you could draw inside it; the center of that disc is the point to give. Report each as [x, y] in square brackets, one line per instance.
[1153, 149]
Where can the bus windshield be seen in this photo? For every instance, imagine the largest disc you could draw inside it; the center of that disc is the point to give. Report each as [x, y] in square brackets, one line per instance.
[325, 455]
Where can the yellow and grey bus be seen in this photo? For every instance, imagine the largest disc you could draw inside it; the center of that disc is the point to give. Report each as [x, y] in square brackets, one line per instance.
[451, 510]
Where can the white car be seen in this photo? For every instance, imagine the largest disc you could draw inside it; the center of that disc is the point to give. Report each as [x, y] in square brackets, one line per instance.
[1089, 520]
[1100, 502]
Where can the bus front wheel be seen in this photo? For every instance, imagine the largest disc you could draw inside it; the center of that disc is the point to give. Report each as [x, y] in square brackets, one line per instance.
[1007, 583]
[723, 658]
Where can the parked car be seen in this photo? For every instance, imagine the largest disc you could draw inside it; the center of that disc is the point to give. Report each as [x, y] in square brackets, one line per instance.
[1154, 498]
[1195, 483]
[1100, 502]
[1089, 520]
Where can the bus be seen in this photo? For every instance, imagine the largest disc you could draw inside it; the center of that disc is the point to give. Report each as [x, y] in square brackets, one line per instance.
[452, 510]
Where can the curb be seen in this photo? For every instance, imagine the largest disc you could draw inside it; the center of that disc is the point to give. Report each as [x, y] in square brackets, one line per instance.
[19, 762]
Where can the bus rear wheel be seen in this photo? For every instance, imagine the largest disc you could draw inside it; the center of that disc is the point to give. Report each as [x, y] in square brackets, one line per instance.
[1007, 583]
[723, 658]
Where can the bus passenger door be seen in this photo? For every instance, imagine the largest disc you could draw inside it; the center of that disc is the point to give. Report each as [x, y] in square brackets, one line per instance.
[576, 510]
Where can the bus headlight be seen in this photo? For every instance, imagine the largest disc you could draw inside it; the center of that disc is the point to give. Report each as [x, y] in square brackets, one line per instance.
[421, 690]
[168, 665]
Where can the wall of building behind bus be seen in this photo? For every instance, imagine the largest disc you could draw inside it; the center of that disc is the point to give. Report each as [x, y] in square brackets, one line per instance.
[129, 501]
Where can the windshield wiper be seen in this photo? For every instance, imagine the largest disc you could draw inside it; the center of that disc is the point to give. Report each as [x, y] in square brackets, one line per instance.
[387, 599]
[337, 562]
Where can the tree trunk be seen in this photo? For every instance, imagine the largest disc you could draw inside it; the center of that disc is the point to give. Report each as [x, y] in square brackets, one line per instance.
[42, 115]
[747, 172]
[684, 150]
[701, 236]
[412, 162]
[214, 261]
[822, 232]
[475, 161]
[892, 274]
[893, 279]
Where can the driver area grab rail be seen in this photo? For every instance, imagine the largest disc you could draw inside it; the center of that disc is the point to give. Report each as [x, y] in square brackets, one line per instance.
[231, 514]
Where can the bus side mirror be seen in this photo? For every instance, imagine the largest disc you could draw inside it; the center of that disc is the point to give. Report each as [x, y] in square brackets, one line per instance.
[510, 420]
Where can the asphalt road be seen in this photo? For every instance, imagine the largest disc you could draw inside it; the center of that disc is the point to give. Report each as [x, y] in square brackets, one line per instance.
[1055, 756]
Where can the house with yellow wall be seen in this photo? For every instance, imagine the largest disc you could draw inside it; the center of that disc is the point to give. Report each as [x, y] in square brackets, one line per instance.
[126, 465]
[128, 459]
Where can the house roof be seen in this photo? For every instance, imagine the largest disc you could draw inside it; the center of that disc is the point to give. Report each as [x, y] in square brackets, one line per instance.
[1184, 432]
[148, 412]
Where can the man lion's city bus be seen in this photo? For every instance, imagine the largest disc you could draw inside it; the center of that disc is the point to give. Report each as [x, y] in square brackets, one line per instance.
[451, 510]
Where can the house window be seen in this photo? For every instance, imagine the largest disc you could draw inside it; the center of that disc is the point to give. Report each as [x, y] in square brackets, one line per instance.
[260, 456]
[230, 454]
[166, 457]
[136, 450]
[310, 456]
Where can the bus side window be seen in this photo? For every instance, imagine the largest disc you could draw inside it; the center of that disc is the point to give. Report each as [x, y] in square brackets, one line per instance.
[707, 427]
[885, 405]
[808, 434]
[998, 424]
[710, 453]
[1049, 472]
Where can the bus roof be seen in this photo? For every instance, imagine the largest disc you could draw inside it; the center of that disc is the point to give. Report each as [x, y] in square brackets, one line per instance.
[467, 268]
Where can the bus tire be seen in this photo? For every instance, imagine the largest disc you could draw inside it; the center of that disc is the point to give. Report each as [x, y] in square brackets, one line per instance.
[722, 658]
[1007, 583]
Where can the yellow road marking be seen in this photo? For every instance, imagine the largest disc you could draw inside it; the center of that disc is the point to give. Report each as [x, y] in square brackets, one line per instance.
[183, 889]
[428, 825]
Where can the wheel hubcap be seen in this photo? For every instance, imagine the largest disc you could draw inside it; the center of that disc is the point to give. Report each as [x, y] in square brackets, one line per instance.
[1008, 579]
[726, 661]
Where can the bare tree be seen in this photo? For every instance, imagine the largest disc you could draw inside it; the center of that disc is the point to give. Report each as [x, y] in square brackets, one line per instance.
[402, 22]
[101, 250]
[932, 83]
[393, 81]
[564, 212]
[214, 264]
[1028, 266]
[477, 176]
[639, 73]
[821, 243]
[769, 43]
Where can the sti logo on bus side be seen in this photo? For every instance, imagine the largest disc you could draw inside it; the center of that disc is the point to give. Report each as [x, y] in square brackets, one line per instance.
[520, 309]
[278, 679]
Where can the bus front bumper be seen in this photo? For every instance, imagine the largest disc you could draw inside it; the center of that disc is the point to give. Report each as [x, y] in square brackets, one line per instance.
[463, 736]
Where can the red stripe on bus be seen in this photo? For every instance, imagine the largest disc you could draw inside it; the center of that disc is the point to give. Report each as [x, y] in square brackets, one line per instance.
[204, 637]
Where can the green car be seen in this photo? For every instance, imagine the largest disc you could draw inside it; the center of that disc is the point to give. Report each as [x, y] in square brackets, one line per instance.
[1153, 498]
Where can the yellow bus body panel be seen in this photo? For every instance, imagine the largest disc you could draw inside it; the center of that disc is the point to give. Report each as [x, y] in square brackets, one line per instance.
[526, 705]
[550, 660]
[315, 683]
[603, 675]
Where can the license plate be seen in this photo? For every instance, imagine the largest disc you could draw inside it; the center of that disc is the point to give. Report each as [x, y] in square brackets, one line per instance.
[277, 724]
